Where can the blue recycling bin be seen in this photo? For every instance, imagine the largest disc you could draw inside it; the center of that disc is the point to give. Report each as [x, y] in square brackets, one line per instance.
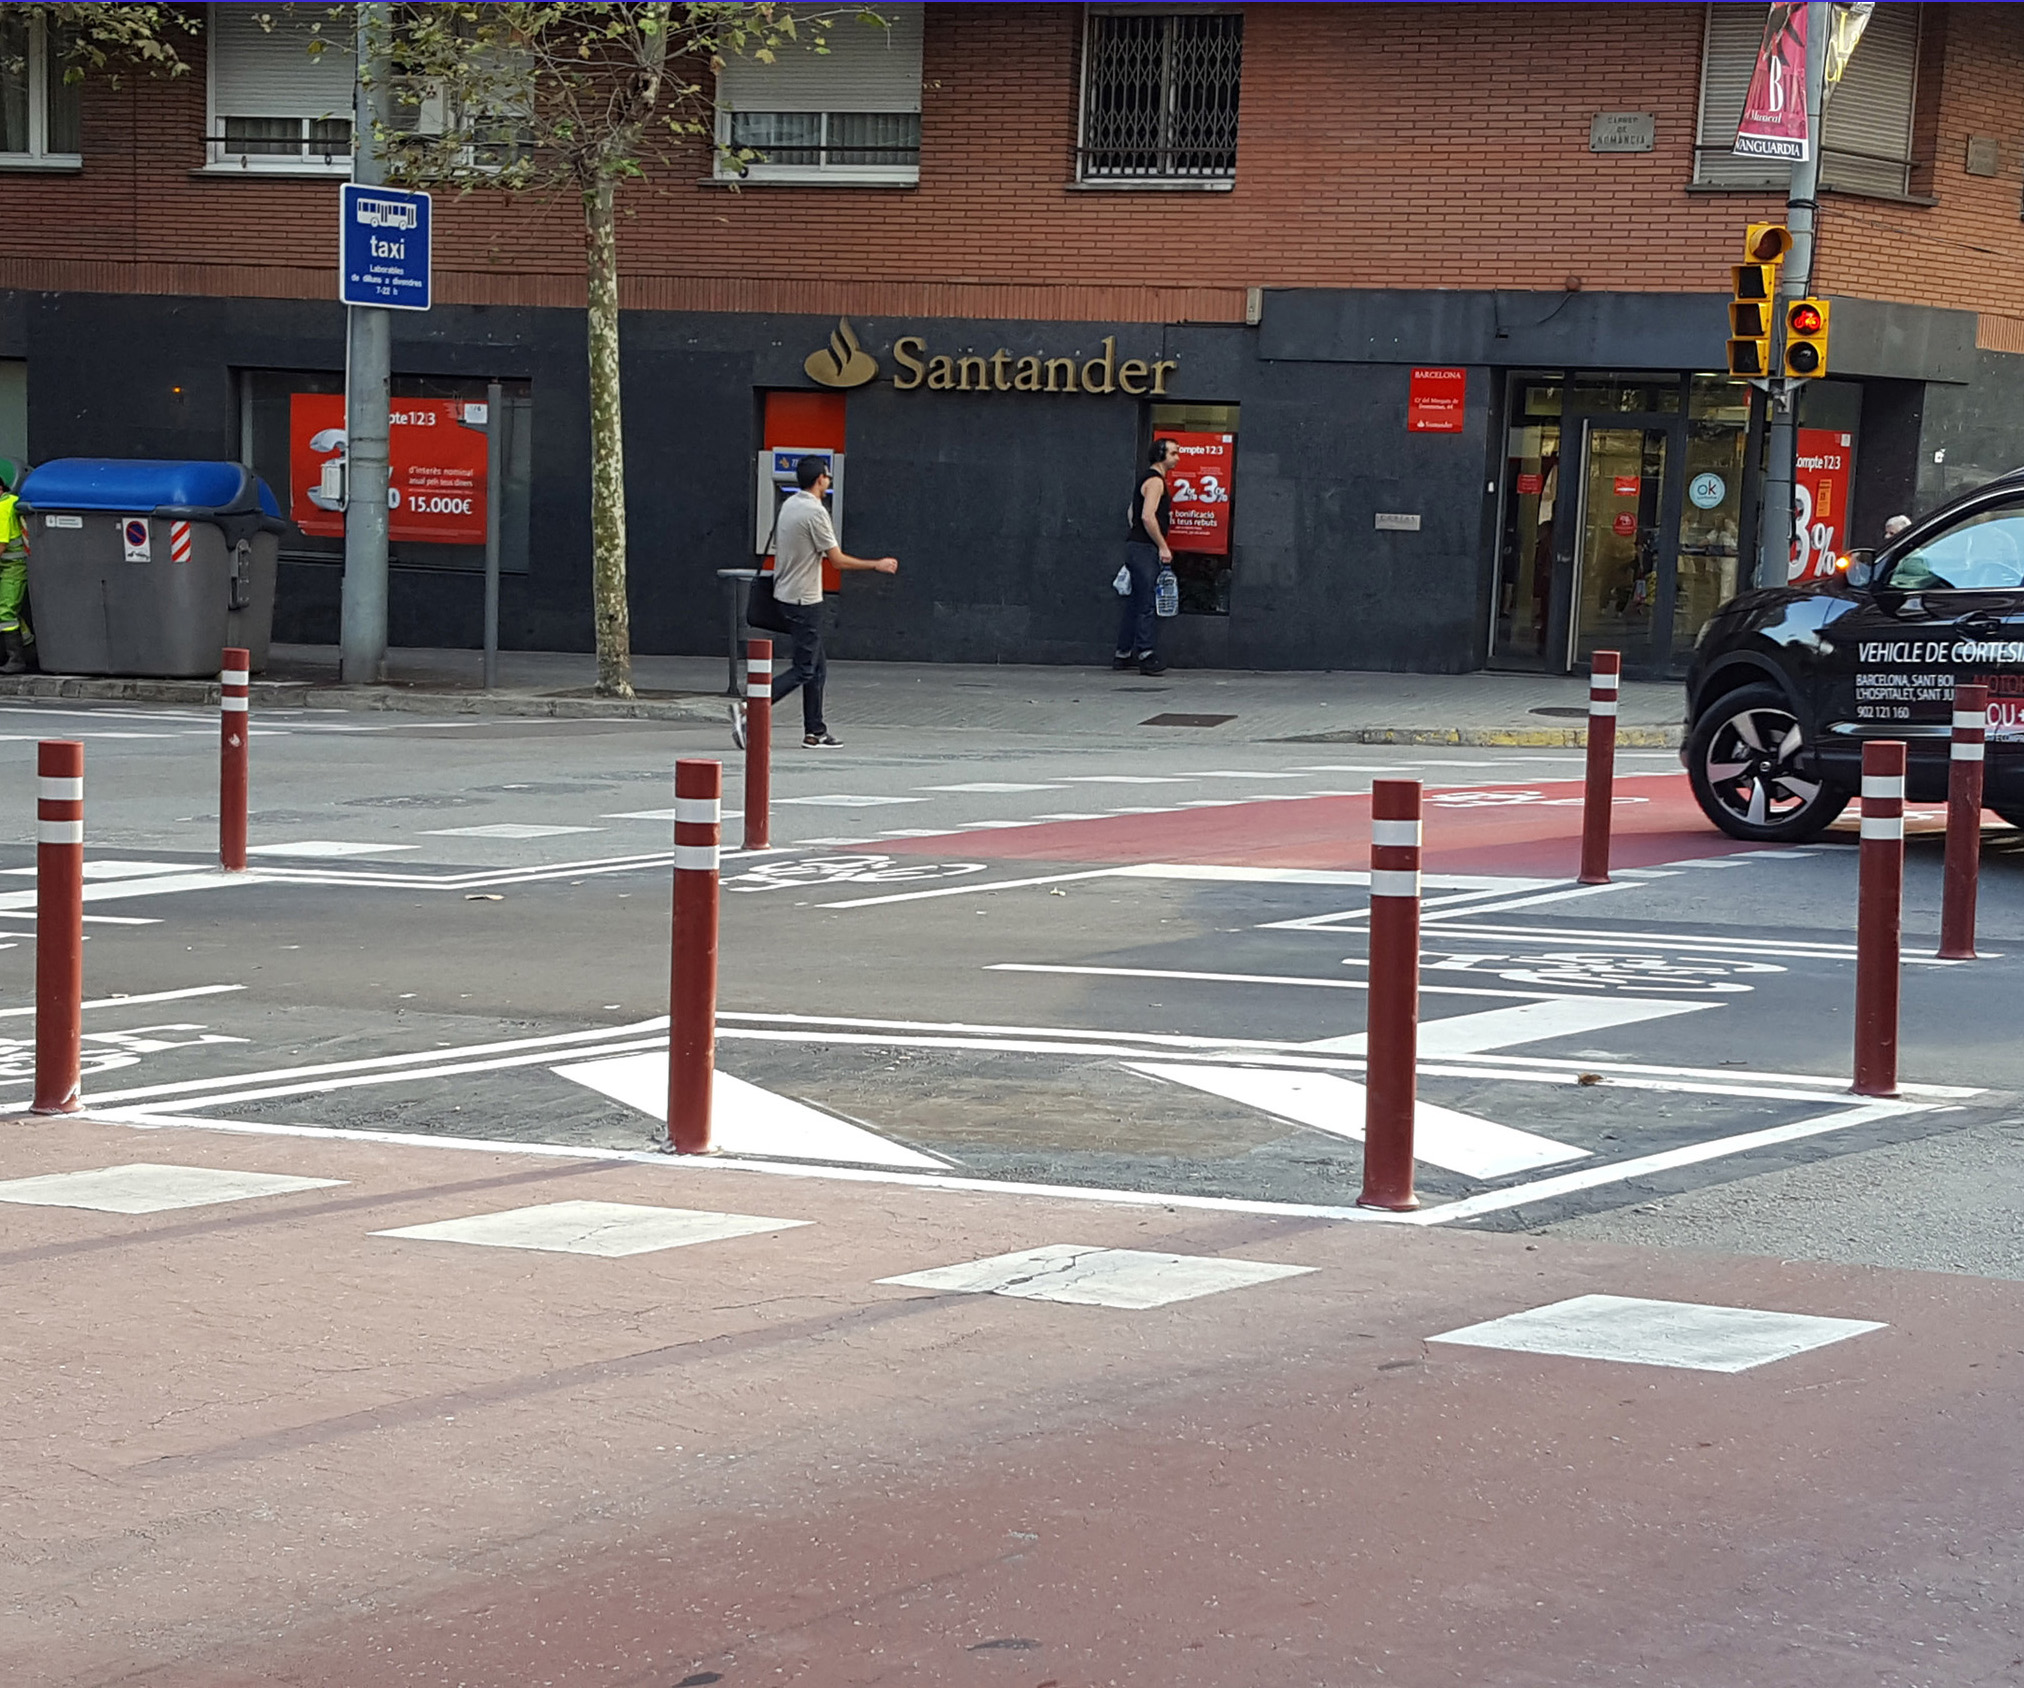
[145, 567]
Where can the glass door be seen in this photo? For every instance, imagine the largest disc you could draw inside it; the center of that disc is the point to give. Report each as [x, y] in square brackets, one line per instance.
[1626, 541]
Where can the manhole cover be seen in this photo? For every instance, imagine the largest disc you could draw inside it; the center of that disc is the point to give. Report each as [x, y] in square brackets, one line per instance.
[1567, 709]
[544, 788]
[440, 802]
[1187, 720]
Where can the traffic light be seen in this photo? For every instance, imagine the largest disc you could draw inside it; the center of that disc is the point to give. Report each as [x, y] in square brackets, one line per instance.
[1755, 286]
[1806, 337]
[1766, 243]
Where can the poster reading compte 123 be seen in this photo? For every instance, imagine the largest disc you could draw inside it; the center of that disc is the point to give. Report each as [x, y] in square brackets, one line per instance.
[436, 484]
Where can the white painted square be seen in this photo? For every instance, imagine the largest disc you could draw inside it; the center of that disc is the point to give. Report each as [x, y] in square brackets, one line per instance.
[111, 870]
[145, 1188]
[324, 848]
[1072, 816]
[507, 829]
[990, 785]
[1098, 1277]
[1637, 1332]
[917, 832]
[844, 800]
[662, 815]
[610, 1229]
[990, 826]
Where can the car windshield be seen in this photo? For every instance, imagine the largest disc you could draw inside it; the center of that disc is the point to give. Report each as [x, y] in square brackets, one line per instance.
[1984, 553]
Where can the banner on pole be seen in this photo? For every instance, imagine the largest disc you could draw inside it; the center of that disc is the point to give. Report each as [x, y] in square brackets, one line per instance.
[1773, 124]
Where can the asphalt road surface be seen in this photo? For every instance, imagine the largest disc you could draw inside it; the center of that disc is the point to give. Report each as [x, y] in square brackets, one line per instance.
[1116, 966]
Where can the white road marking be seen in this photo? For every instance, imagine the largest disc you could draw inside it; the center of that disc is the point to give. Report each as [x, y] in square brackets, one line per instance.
[1124, 779]
[1528, 1022]
[845, 801]
[746, 1120]
[142, 1187]
[1465, 1143]
[95, 870]
[608, 1229]
[663, 815]
[506, 829]
[1073, 816]
[1630, 1330]
[1207, 873]
[988, 785]
[1529, 902]
[1258, 979]
[1133, 1279]
[123, 1001]
[167, 884]
[325, 847]
[1250, 774]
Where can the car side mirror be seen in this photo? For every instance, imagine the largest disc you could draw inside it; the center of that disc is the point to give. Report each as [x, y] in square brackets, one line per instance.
[1859, 568]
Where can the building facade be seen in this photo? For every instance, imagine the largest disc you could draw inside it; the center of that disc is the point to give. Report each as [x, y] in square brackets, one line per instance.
[1434, 296]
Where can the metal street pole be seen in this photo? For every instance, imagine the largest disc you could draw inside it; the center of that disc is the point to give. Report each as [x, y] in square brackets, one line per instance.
[363, 649]
[495, 502]
[1802, 203]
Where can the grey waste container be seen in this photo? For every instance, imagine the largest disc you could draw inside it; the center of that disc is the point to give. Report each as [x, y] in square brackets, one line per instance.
[149, 568]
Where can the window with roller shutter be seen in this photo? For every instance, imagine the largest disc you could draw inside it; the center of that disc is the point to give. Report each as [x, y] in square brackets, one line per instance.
[1867, 144]
[280, 97]
[846, 110]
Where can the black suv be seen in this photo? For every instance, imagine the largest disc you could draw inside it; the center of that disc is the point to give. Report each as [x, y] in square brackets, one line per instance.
[1787, 683]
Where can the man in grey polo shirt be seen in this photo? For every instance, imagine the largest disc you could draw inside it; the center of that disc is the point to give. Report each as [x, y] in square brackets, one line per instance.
[802, 540]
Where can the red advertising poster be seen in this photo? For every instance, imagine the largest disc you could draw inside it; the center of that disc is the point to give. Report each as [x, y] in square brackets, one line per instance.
[1201, 486]
[436, 490]
[1628, 486]
[1531, 485]
[1823, 473]
[1626, 523]
[1773, 124]
[1435, 399]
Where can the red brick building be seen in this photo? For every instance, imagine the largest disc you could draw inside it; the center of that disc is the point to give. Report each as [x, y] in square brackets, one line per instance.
[1291, 207]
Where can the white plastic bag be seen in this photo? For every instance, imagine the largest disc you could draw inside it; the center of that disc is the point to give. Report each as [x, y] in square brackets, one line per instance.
[1122, 584]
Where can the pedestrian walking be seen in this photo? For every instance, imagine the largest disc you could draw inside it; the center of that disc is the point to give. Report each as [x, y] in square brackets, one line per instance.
[803, 540]
[1146, 552]
[15, 633]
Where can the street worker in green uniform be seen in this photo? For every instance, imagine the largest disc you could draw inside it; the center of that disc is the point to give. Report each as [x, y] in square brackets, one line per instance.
[15, 637]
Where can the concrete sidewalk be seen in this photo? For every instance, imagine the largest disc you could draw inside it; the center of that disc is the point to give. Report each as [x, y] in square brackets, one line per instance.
[1052, 702]
[299, 1431]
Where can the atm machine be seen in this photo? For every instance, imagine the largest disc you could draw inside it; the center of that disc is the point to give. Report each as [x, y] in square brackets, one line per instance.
[775, 483]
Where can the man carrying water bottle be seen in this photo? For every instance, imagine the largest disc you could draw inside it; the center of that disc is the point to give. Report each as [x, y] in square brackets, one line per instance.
[1146, 553]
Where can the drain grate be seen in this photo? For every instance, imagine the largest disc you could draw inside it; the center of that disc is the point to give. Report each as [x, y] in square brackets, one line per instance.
[1187, 720]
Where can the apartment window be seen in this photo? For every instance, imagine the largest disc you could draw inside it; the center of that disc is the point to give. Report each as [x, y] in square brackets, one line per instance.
[281, 98]
[1867, 140]
[848, 110]
[38, 109]
[1159, 97]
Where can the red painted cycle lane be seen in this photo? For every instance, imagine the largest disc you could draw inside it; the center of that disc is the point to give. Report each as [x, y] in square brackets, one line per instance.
[1525, 829]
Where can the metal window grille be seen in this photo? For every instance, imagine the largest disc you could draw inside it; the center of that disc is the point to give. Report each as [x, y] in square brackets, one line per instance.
[1160, 96]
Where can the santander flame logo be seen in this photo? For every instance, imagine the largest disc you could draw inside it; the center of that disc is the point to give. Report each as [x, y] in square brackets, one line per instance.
[843, 362]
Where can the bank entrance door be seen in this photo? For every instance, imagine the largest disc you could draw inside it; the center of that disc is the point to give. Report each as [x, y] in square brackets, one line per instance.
[1623, 501]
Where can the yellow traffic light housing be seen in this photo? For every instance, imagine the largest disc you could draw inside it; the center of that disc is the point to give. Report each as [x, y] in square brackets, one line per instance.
[1767, 243]
[1806, 338]
[1755, 287]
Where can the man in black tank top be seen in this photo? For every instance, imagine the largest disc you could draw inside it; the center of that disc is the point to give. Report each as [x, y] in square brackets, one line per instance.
[1146, 552]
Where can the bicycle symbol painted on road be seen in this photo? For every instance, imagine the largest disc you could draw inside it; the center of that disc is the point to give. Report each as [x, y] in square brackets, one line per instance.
[845, 870]
[1591, 970]
[1472, 799]
[108, 1052]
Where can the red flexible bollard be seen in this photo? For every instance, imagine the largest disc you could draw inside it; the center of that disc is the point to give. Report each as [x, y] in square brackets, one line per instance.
[1604, 676]
[1391, 1076]
[235, 691]
[692, 983]
[59, 925]
[758, 741]
[1879, 917]
[1964, 824]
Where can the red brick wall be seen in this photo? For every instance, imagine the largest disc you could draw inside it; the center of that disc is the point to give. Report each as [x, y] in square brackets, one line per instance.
[1381, 146]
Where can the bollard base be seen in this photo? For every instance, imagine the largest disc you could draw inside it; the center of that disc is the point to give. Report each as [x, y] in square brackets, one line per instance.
[1592, 879]
[1403, 1204]
[1878, 1092]
[57, 1108]
[1955, 955]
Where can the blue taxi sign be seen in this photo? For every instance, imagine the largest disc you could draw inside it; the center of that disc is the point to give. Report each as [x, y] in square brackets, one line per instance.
[383, 247]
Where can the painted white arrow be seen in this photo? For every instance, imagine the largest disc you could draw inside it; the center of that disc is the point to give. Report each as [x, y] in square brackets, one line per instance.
[1476, 1148]
[745, 1119]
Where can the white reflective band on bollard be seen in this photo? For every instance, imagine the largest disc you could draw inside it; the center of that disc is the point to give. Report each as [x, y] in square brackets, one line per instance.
[1886, 827]
[234, 677]
[1602, 706]
[695, 858]
[1970, 719]
[1394, 882]
[759, 671]
[698, 811]
[234, 705]
[1395, 832]
[1964, 751]
[54, 790]
[1882, 785]
[1603, 682]
[59, 832]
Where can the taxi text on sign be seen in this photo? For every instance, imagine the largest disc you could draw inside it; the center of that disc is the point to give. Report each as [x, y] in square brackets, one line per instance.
[383, 248]
[1435, 401]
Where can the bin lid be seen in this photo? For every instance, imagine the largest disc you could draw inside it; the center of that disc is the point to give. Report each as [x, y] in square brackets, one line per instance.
[137, 485]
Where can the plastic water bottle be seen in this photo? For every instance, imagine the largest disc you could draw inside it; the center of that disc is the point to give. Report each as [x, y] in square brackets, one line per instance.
[1167, 596]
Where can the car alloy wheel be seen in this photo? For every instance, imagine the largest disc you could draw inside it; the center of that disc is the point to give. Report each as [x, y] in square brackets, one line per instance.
[1748, 764]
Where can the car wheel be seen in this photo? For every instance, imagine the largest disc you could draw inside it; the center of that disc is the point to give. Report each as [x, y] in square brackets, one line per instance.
[1747, 762]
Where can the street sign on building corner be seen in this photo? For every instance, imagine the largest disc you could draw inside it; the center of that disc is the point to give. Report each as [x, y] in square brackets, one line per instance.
[383, 247]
